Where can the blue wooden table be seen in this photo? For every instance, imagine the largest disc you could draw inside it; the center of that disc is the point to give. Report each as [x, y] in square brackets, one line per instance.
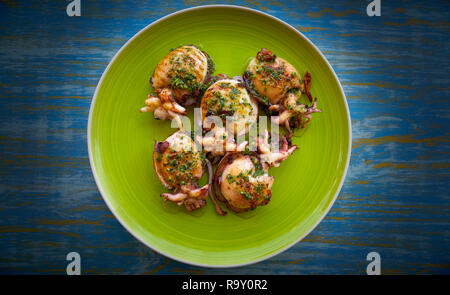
[395, 201]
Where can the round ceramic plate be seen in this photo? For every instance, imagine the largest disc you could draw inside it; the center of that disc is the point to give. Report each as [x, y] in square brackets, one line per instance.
[121, 139]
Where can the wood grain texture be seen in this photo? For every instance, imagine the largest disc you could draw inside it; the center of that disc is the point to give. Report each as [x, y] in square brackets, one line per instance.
[394, 70]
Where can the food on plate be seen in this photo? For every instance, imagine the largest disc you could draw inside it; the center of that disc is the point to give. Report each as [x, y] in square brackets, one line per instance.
[179, 167]
[228, 102]
[178, 81]
[229, 108]
[229, 98]
[241, 180]
[277, 84]
[271, 77]
[273, 156]
[217, 142]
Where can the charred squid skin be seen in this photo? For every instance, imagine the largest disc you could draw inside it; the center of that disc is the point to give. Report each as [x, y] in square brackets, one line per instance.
[237, 210]
[157, 148]
[252, 91]
[211, 66]
[226, 160]
[211, 80]
[211, 193]
[152, 79]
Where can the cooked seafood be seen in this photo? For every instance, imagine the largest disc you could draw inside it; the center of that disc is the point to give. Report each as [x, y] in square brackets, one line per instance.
[277, 84]
[241, 180]
[179, 166]
[229, 98]
[229, 108]
[218, 142]
[229, 101]
[271, 156]
[178, 81]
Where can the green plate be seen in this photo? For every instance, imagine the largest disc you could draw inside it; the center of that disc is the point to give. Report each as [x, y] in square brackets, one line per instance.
[121, 139]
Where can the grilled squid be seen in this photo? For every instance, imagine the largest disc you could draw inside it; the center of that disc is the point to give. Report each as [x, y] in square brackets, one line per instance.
[179, 166]
[217, 142]
[227, 110]
[277, 84]
[241, 180]
[271, 156]
[178, 80]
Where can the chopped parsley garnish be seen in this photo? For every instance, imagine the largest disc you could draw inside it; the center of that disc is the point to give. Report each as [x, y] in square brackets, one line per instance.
[246, 195]
[249, 74]
[184, 80]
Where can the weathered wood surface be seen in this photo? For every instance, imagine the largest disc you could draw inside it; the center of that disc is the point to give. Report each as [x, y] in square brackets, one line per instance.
[395, 200]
